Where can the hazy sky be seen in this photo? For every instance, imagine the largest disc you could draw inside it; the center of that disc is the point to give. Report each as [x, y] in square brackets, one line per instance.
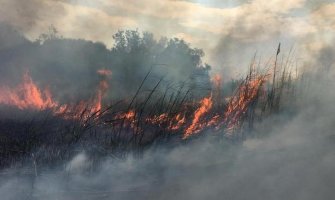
[229, 31]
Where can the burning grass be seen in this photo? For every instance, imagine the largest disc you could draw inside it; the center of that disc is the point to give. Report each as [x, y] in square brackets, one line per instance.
[133, 124]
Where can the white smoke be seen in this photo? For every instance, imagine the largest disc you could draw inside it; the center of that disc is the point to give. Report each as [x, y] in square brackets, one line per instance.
[293, 157]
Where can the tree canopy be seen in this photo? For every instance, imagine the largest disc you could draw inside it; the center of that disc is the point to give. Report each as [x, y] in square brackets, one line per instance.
[69, 66]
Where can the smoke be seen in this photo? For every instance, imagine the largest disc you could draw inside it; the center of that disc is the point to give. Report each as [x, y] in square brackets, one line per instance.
[259, 26]
[26, 16]
[247, 26]
[292, 157]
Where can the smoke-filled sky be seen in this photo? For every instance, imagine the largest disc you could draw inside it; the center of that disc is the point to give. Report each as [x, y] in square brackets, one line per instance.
[229, 31]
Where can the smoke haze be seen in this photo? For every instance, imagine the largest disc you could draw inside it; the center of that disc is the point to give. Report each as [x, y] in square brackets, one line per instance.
[221, 28]
[292, 157]
[291, 154]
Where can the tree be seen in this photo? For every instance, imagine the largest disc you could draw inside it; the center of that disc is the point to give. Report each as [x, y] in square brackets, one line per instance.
[51, 34]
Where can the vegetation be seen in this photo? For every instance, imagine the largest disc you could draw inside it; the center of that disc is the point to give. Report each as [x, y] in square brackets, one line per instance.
[160, 94]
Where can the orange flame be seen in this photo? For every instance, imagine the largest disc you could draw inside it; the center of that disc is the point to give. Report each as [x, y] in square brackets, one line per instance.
[158, 119]
[214, 121]
[101, 92]
[238, 104]
[85, 109]
[129, 115]
[129, 119]
[103, 86]
[178, 122]
[171, 123]
[196, 126]
[27, 96]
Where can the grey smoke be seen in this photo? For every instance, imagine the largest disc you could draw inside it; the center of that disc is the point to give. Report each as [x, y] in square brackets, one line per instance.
[292, 157]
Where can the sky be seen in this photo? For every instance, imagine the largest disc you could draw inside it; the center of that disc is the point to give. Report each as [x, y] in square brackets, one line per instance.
[230, 32]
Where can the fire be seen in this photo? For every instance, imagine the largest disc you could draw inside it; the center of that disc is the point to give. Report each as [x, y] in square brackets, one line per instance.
[158, 119]
[93, 107]
[214, 121]
[128, 115]
[196, 126]
[239, 103]
[80, 111]
[173, 123]
[86, 109]
[27, 95]
[178, 122]
[103, 86]
[101, 92]
[128, 119]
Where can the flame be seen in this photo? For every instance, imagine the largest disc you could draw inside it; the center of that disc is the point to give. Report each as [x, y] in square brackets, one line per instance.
[128, 120]
[129, 115]
[205, 105]
[178, 122]
[27, 95]
[85, 109]
[101, 92]
[171, 123]
[214, 121]
[79, 111]
[238, 104]
[158, 119]
[102, 89]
